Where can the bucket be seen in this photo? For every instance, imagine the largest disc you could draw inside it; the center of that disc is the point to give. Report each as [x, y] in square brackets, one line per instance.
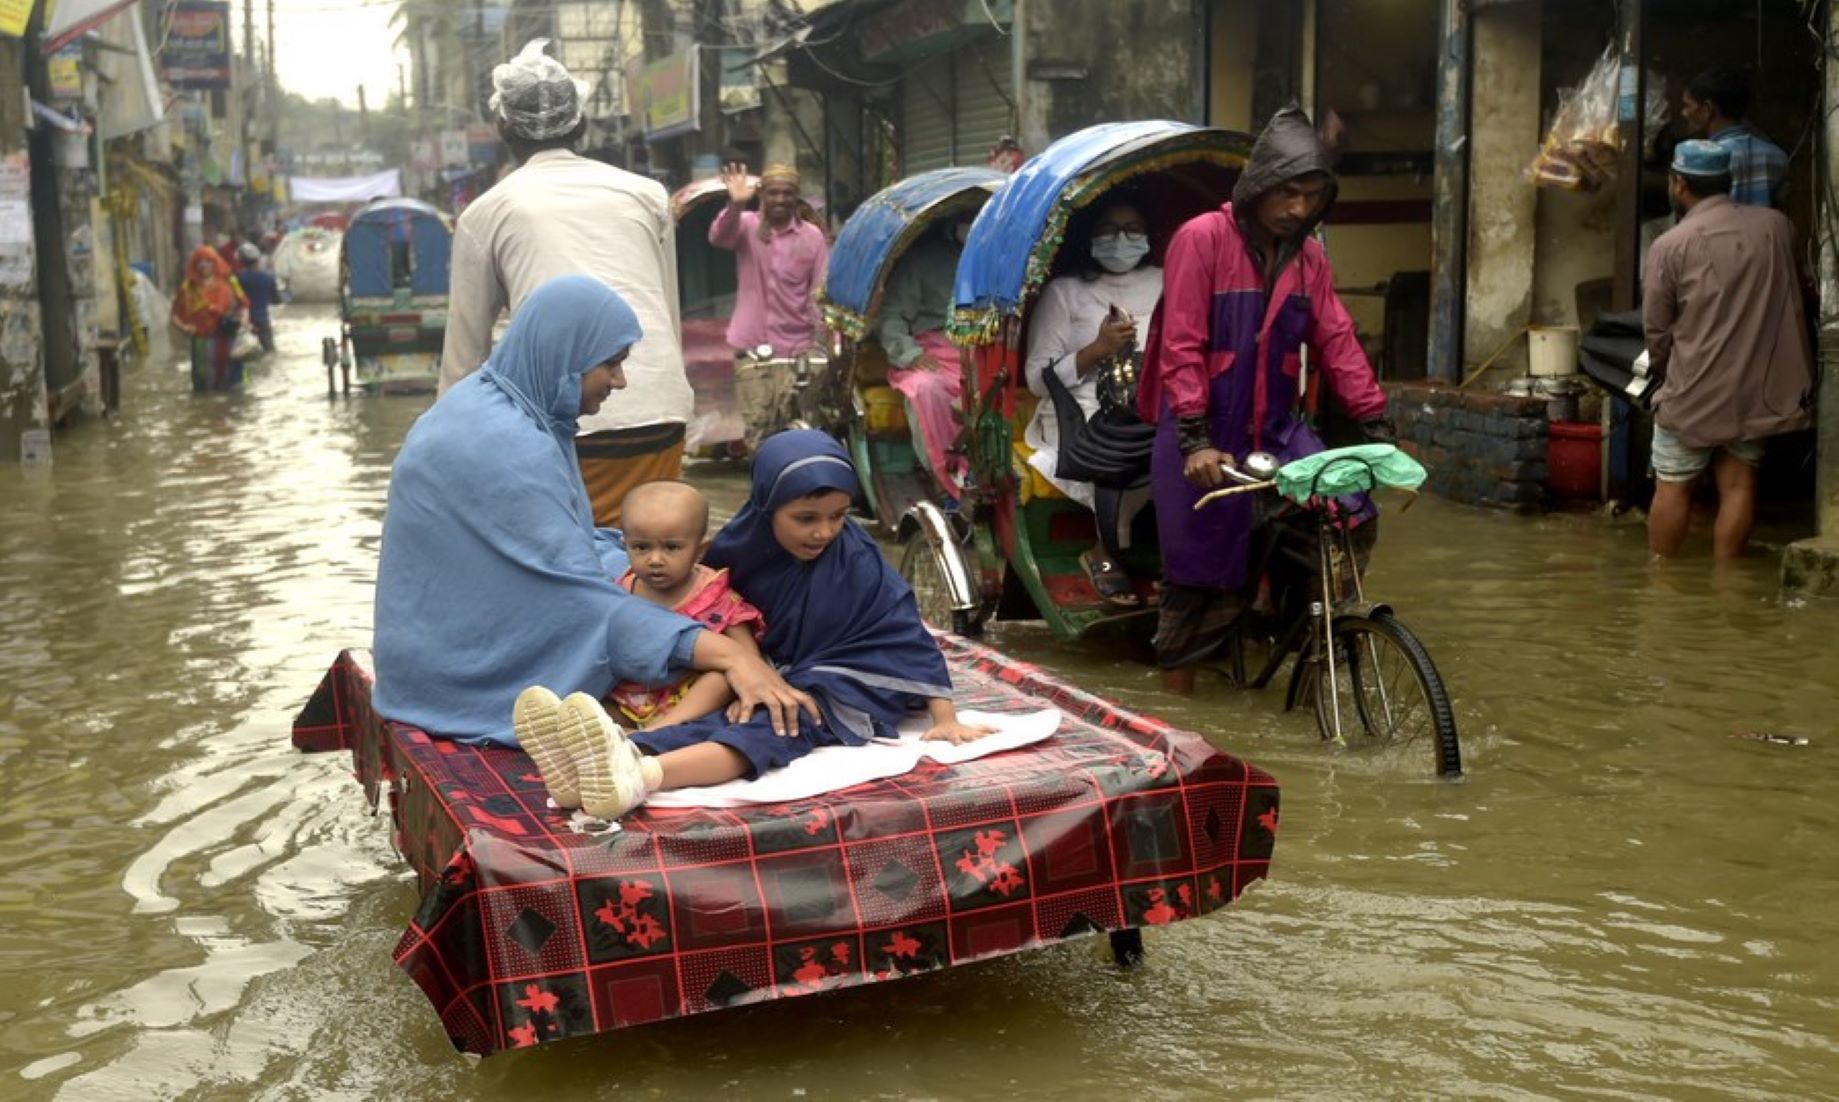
[1574, 459]
[883, 409]
[1552, 350]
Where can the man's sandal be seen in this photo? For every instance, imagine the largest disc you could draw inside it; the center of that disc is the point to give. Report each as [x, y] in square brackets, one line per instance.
[1112, 584]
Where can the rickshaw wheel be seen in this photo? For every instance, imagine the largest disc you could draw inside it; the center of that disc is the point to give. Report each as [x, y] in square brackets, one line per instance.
[923, 565]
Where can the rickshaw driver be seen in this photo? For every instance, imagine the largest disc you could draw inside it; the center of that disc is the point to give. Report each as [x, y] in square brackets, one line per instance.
[1245, 288]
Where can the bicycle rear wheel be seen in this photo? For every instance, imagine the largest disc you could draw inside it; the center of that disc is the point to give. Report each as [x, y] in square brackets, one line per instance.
[1385, 691]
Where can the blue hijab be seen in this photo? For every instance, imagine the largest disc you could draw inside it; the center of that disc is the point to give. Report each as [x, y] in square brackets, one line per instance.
[843, 627]
[492, 576]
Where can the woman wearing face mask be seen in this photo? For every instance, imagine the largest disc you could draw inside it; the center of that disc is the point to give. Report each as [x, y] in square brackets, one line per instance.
[923, 363]
[1074, 330]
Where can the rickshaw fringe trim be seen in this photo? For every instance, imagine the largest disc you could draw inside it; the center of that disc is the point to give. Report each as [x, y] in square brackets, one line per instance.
[979, 324]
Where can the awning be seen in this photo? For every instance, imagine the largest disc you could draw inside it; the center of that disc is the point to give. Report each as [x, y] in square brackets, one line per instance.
[69, 19]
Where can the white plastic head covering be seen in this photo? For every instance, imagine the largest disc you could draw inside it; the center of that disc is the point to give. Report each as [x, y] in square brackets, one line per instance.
[535, 96]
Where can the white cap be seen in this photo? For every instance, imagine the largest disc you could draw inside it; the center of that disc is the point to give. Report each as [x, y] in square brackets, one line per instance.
[535, 96]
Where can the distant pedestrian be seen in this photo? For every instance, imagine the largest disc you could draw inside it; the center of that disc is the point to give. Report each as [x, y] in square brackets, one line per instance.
[780, 257]
[1715, 104]
[260, 288]
[560, 214]
[1727, 336]
[208, 308]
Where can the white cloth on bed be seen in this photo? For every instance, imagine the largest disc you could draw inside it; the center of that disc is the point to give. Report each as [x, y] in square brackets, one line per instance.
[832, 768]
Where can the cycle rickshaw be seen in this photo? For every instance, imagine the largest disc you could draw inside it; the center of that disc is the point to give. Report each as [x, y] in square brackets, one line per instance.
[393, 298]
[1012, 552]
[855, 402]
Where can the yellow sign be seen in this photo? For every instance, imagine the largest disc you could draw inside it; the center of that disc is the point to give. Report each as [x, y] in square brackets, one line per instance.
[14, 15]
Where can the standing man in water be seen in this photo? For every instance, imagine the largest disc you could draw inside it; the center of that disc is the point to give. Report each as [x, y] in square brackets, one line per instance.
[1247, 294]
[779, 259]
[1727, 337]
[563, 214]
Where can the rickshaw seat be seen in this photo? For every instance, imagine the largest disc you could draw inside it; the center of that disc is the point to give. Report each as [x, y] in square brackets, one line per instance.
[1031, 483]
[871, 363]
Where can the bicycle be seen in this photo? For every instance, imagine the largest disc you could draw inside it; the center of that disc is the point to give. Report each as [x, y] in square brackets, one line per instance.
[806, 393]
[1376, 681]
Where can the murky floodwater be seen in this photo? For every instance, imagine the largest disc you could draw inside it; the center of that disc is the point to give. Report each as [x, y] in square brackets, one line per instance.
[1622, 899]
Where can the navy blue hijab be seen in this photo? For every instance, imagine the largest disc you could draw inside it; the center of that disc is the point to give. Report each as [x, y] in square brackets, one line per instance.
[844, 627]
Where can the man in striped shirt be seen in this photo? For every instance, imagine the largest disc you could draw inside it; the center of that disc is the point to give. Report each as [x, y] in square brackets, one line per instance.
[1714, 104]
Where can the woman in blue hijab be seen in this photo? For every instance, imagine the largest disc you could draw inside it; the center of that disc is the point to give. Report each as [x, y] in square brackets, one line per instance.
[841, 625]
[492, 575]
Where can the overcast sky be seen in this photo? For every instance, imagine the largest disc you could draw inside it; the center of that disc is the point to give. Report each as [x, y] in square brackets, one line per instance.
[328, 47]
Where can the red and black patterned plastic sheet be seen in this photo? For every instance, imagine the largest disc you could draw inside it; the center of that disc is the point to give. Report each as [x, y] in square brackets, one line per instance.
[529, 933]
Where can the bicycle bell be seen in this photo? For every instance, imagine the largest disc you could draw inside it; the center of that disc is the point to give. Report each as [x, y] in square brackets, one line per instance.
[1261, 465]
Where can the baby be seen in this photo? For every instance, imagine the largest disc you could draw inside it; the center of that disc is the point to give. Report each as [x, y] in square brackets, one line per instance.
[666, 526]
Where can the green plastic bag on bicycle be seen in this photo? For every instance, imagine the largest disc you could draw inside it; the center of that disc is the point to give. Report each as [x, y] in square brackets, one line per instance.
[1355, 470]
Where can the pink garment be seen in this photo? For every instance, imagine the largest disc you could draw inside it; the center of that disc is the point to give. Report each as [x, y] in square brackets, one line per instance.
[716, 606]
[776, 301]
[932, 396]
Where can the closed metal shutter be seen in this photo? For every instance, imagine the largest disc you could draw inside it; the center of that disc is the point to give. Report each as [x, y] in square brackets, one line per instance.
[925, 117]
[984, 76]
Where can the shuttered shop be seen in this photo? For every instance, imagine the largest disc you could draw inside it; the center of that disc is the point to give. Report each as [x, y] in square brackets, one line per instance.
[925, 116]
[985, 83]
[955, 104]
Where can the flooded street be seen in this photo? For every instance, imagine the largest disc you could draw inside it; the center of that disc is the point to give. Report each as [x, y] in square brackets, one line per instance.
[1624, 898]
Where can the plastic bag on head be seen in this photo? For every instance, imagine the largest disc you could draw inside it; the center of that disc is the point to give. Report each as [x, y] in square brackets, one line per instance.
[535, 96]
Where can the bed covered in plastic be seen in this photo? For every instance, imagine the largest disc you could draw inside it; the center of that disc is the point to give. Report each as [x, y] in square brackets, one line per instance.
[529, 933]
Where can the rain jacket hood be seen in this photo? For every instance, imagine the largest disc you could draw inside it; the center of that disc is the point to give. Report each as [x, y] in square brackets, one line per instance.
[1287, 148]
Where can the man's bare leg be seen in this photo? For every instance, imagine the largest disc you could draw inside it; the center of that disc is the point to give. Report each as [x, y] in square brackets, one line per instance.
[1736, 505]
[1668, 517]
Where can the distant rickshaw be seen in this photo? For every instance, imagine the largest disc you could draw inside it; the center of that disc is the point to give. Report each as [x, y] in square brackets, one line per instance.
[394, 298]
[706, 284]
[855, 402]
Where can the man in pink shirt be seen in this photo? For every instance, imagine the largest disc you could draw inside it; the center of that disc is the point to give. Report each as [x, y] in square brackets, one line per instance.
[779, 258]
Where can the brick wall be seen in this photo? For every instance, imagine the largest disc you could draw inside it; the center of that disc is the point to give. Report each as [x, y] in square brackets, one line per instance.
[1480, 448]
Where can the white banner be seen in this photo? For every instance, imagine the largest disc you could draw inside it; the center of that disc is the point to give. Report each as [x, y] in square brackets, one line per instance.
[346, 189]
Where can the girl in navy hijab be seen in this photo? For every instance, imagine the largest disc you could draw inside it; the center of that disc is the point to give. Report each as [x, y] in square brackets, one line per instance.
[492, 575]
[841, 625]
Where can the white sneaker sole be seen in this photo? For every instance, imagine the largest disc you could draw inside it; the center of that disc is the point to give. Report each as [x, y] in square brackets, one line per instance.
[606, 763]
[537, 720]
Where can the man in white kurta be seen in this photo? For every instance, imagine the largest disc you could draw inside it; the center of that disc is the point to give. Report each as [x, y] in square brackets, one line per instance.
[563, 214]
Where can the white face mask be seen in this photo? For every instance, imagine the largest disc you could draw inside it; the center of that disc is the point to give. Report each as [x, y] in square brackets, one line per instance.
[1120, 253]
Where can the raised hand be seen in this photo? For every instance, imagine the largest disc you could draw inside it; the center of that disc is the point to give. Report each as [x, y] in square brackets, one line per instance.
[741, 189]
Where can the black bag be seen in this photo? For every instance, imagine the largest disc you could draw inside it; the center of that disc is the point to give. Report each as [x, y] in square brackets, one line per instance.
[1112, 449]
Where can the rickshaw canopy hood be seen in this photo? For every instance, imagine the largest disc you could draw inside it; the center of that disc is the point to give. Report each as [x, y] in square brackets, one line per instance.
[880, 229]
[1015, 238]
[693, 195]
[387, 223]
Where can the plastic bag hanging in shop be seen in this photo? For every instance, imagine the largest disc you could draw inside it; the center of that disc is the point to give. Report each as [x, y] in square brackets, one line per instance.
[1584, 142]
[535, 95]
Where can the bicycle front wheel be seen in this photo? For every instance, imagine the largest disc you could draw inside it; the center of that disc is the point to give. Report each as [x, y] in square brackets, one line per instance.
[1385, 692]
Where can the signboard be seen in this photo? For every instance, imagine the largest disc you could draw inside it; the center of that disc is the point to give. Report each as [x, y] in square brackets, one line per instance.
[671, 94]
[197, 50]
[64, 72]
[454, 149]
[740, 81]
[14, 15]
